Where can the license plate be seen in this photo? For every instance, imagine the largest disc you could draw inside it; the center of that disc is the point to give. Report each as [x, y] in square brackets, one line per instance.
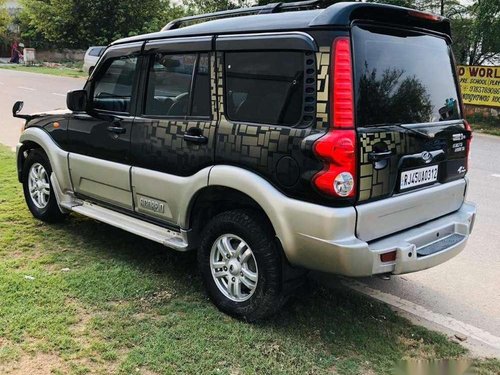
[417, 177]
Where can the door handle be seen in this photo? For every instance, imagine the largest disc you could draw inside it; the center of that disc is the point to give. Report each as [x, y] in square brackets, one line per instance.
[200, 139]
[117, 129]
[379, 156]
[195, 135]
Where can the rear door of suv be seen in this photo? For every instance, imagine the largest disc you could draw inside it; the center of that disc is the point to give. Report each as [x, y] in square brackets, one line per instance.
[411, 132]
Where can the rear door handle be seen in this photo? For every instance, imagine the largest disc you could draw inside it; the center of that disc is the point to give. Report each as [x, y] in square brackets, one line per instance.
[117, 129]
[379, 156]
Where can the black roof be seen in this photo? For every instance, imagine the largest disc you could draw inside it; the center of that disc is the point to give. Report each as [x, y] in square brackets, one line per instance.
[337, 15]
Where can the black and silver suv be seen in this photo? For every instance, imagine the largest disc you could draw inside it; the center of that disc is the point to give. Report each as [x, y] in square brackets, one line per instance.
[271, 139]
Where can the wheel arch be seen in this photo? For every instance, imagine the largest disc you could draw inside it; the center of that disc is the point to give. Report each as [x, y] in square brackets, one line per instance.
[248, 190]
[38, 138]
[215, 199]
[22, 154]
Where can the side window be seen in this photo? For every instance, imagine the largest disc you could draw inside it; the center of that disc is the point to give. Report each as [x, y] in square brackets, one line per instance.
[264, 87]
[170, 83]
[113, 88]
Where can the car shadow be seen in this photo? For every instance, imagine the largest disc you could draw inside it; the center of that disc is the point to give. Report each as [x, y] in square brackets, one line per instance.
[334, 319]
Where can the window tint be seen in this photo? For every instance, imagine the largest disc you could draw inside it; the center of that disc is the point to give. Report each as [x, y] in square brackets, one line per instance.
[403, 77]
[96, 51]
[113, 88]
[265, 87]
[169, 86]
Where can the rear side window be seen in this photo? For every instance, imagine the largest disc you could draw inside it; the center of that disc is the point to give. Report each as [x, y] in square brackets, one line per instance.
[264, 87]
[113, 88]
[171, 90]
[402, 77]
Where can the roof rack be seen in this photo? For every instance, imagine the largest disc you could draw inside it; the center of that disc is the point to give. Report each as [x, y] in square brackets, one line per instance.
[262, 9]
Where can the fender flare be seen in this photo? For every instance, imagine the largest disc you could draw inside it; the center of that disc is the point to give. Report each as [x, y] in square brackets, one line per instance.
[58, 157]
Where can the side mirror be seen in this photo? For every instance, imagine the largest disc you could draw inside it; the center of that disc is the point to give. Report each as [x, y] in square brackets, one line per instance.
[18, 106]
[76, 100]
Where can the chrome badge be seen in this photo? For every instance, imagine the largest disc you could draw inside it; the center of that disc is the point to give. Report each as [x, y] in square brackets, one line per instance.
[459, 137]
[152, 205]
[426, 156]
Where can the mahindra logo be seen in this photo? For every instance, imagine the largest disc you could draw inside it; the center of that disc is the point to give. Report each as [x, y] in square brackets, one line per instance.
[426, 156]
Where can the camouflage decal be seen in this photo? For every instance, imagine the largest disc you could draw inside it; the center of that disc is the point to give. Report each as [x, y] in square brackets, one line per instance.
[380, 183]
[263, 147]
[323, 79]
[281, 154]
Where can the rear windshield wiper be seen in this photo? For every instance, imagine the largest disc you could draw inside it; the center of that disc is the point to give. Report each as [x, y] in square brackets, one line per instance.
[401, 126]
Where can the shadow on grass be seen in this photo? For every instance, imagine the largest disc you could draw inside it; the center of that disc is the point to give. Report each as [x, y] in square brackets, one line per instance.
[319, 329]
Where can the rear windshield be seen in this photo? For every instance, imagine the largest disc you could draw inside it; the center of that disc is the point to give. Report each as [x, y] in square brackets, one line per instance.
[402, 77]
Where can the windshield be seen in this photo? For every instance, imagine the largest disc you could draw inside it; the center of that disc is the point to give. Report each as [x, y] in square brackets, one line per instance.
[402, 77]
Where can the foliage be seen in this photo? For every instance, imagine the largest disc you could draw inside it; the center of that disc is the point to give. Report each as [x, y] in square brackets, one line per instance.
[4, 18]
[79, 24]
[209, 6]
[394, 97]
[479, 33]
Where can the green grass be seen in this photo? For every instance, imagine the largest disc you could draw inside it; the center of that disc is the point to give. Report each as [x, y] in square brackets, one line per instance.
[489, 127]
[82, 297]
[62, 71]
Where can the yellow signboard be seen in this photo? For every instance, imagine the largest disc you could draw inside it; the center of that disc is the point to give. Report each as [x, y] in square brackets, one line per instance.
[480, 85]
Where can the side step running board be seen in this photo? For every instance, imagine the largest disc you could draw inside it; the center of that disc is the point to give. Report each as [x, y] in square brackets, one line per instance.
[150, 231]
[67, 203]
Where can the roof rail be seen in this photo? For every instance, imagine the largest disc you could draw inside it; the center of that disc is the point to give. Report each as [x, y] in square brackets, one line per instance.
[262, 9]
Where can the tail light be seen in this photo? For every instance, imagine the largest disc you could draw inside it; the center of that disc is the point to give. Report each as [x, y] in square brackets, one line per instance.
[468, 141]
[468, 130]
[337, 148]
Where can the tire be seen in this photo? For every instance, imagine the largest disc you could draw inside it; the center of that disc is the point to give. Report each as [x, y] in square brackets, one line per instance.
[43, 205]
[229, 281]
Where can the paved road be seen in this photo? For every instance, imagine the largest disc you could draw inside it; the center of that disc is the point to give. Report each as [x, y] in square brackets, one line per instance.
[467, 288]
[39, 93]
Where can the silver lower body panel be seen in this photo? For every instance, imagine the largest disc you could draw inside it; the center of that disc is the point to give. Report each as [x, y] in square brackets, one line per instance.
[417, 248]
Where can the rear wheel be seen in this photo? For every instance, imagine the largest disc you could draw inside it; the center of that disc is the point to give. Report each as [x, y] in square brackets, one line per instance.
[38, 191]
[241, 265]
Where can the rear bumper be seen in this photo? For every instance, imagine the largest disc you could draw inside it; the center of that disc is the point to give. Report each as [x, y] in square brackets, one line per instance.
[441, 239]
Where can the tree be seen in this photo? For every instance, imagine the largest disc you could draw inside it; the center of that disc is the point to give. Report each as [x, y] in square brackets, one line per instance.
[78, 24]
[4, 18]
[484, 32]
[209, 6]
[397, 97]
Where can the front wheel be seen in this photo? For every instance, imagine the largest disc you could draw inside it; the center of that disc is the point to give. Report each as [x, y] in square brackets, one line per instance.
[241, 265]
[38, 191]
